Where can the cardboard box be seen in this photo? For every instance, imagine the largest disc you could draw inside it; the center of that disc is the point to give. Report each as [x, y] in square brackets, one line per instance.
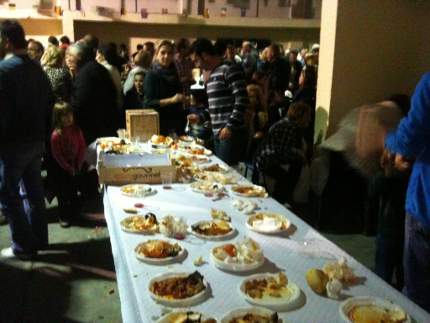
[142, 123]
[123, 169]
[136, 175]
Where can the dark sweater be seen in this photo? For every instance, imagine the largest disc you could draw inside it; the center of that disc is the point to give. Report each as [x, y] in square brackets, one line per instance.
[94, 102]
[133, 100]
[279, 75]
[26, 101]
[160, 84]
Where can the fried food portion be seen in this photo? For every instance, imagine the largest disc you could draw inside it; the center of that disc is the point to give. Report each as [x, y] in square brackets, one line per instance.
[376, 314]
[212, 228]
[189, 317]
[179, 287]
[255, 318]
[158, 249]
[270, 286]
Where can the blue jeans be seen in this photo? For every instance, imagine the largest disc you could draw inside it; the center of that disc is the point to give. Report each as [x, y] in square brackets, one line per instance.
[416, 262]
[232, 150]
[26, 210]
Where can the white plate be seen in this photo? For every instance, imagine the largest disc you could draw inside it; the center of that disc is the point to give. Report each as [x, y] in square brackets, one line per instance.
[163, 145]
[171, 316]
[276, 304]
[186, 141]
[109, 139]
[245, 206]
[282, 226]
[140, 190]
[198, 159]
[159, 146]
[127, 229]
[259, 191]
[187, 150]
[350, 303]
[198, 187]
[206, 152]
[243, 311]
[217, 177]
[235, 267]
[222, 168]
[190, 301]
[213, 238]
[159, 261]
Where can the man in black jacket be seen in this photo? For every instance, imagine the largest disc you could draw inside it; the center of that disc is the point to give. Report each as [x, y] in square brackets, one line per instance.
[26, 100]
[94, 102]
[93, 94]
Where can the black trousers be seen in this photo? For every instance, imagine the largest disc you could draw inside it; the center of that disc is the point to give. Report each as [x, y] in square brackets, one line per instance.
[285, 182]
[66, 190]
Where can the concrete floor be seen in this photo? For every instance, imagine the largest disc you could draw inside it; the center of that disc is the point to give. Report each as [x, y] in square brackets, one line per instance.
[74, 281]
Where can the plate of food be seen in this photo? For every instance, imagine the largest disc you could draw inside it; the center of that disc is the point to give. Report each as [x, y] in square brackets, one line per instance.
[178, 289]
[159, 252]
[213, 230]
[207, 187]
[137, 190]
[146, 224]
[220, 215]
[116, 146]
[274, 291]
[267, 222]
[199, 150]
[245, 206]
[105, 142]
[175, 227]
[249, 190]
[366, 309]
[186, 317]
[251, 315]
[217, 177]
[185, 141]
[215, 168]
[188, 160]
[159, 141]
[192, 149]
[241, 256]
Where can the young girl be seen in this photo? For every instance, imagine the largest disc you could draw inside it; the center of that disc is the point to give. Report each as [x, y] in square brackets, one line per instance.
[68, 149]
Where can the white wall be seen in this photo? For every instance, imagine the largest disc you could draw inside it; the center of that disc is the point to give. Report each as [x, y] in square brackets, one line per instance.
[272, 10]
[380, 48]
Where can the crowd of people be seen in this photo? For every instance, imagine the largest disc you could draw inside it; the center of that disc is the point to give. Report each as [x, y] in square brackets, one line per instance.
[249, 104]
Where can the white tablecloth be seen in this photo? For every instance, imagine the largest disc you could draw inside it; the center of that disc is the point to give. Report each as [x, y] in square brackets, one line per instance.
[294, 254]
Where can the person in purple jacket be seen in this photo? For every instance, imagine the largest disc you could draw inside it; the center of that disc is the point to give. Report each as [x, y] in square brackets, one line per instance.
[409, 146]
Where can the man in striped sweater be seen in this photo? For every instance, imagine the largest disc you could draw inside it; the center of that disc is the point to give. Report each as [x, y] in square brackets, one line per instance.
[228, 101]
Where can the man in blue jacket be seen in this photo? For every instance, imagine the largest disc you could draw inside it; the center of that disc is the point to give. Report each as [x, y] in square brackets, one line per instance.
[411, 141]
[25, 104]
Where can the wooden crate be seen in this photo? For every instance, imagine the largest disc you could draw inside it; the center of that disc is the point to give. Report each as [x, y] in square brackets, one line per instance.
[142, 123]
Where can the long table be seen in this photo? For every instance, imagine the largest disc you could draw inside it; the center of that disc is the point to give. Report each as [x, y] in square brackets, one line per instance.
[302, 248]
